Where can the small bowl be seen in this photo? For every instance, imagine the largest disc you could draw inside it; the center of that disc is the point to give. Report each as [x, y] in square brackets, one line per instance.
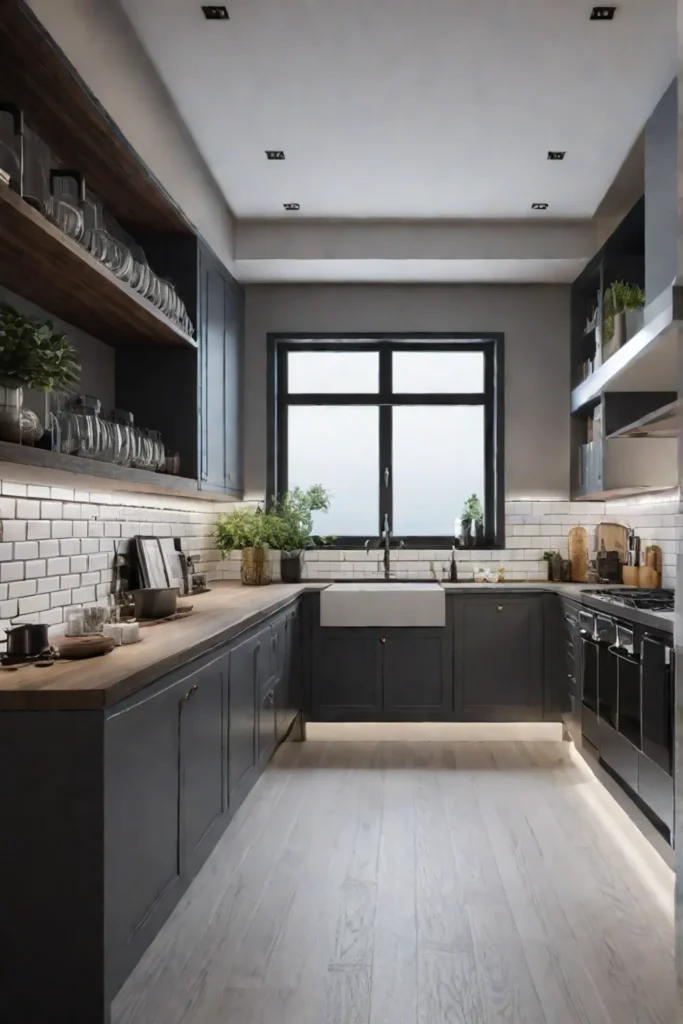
[153, 603]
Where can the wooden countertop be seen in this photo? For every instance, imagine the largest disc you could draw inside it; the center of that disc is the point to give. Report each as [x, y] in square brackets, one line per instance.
[100, 682]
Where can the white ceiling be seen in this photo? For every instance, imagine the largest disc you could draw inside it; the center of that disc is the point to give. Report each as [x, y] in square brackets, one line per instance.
[398, 109]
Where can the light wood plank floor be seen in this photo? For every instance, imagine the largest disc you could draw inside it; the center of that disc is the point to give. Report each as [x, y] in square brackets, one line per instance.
[432, 883]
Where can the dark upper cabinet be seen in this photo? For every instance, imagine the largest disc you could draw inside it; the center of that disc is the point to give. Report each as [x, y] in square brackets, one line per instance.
[347, 675]
[246, 659]
[220, 356]
[194, 397]
[142, 827]
[203, 790]
[417, 673]
[499, 656]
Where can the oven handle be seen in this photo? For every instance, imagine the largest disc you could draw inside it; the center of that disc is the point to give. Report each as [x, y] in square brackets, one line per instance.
[619, 653]
[667, 648]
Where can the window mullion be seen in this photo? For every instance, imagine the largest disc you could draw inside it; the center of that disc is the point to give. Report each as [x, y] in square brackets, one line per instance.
[385, 423]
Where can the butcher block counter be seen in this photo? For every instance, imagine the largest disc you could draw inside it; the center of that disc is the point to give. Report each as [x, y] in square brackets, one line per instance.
[228, 609]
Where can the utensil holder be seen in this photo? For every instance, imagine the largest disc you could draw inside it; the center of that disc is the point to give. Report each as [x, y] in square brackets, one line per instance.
[255, 569]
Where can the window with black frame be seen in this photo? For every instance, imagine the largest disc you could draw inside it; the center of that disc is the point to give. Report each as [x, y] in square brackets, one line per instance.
[398, 430]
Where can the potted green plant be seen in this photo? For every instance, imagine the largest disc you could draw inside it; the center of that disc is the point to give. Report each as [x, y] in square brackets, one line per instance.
[251, 531]
[293, 514]
[471, 521]
[32, 355]
[621, 315]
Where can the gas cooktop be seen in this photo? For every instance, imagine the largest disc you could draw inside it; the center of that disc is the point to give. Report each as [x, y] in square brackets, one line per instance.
[627, 597]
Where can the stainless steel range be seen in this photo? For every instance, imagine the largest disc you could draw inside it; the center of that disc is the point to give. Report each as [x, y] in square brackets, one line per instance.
[626, 659]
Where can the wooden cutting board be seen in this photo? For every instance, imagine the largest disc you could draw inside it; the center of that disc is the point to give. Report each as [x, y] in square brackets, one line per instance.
[615, 538]
[578, 554]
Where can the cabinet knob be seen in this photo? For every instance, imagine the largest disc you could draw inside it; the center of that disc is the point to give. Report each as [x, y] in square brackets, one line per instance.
[193, 689]
[271, 697]
[383, 640]
[499, 608]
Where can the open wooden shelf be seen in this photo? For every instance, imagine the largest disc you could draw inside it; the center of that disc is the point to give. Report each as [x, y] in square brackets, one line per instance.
[42, 264]
[662, 422]
[59, 106]
[38, 466]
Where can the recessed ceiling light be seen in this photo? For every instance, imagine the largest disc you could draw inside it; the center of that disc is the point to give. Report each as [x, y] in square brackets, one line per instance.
[603, 14]
[215, 12]
[275, 154]
[291, 207]
[539, 206]
[556, 154]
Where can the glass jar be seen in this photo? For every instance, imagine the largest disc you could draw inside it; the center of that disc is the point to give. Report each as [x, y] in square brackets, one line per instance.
[75, 621]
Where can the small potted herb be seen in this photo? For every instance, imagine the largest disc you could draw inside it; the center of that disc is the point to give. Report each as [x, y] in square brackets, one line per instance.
[472, 521]
[621, 315]
[251, 531]
[32, 355]
[293, 514]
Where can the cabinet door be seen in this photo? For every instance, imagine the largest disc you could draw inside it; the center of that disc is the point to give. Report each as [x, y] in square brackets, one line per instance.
[142, 828]
[288, 687]
[244, 690]
[347, 678]
[266, 727]
[499, 657]
[203, 796]
[417, 674]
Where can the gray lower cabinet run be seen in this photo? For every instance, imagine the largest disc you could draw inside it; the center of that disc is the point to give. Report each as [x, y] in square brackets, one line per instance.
[113, 812]
[486, 664]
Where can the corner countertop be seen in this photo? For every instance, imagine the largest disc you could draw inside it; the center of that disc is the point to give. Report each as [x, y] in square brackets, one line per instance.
[229, 609]
[93, 683]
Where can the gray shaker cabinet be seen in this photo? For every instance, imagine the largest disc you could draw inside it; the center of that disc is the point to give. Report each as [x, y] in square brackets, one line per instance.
[498, 640]
[246, 661]
[347, 675]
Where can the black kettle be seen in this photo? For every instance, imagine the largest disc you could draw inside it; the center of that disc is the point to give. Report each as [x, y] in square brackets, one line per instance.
[27, 641]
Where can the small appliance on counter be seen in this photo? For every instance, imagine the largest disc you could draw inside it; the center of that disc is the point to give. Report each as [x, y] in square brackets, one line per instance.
[197, 581]
[27, 644]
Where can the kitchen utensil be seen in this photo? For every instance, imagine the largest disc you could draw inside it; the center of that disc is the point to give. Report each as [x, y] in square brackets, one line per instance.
[75, 621]
[83, 646]
[609, 566]
[65, 210]
[614, 537]
[27, 641]
[155, 603]
[578, 554]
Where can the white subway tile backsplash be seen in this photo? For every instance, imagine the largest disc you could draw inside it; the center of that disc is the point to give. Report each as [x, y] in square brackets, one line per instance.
[35, 491]
[70, 546]
[10, 571]
[48, 584]
[37, 529]
[49, 510]
[57, 566]
[8, 609]
[38, 603]
[80, 528]
[79, 563]
[48, 548]
[62, 494]
[69, 581]
[83, 595]
[34, 569]
[23, 588]
[60, 598]
[14, 529]
[53, 617]
[26, 549]
[89, 545]
[10, 487]
[62, 529]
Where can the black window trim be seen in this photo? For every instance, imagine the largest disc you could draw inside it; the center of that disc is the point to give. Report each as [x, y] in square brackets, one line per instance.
[493, 399]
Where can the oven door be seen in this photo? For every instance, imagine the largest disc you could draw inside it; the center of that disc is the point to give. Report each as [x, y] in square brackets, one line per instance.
[628, 692]
[656, 660]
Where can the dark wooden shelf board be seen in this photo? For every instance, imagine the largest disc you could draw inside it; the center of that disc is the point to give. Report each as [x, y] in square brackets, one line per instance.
[41, 263]
[59, 106]
[647, 362]
[38, 466]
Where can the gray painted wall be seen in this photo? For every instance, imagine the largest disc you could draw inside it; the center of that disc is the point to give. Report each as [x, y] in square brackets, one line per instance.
[534, 319]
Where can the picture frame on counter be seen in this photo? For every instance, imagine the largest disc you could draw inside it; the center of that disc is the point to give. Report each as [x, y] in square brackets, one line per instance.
[151, 563]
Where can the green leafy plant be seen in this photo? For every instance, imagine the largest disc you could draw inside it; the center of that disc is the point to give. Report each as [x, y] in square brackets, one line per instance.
[620, 297]
[293, 514]
[472, 510]
[548, 555]
[34, 355]
[245, 528]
